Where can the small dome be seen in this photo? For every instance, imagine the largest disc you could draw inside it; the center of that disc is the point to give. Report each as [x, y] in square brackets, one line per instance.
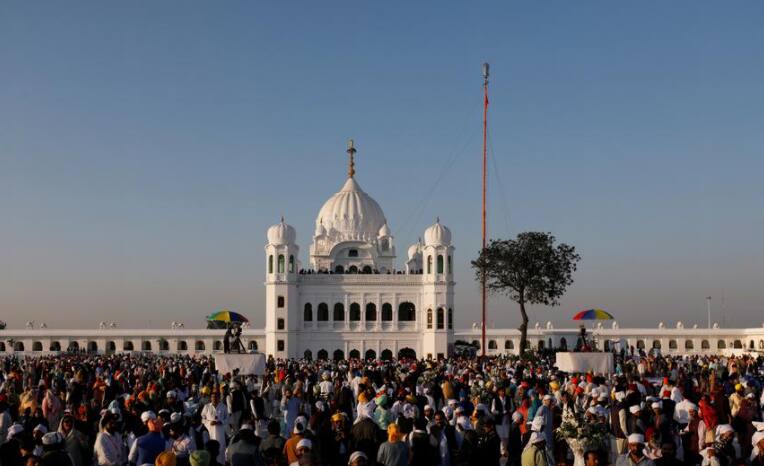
[320, 230]
[281, 233]
[437, 235]
[384, 231]
[414, 249]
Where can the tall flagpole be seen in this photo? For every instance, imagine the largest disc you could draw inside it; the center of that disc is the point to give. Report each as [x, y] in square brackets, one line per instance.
[485, 169]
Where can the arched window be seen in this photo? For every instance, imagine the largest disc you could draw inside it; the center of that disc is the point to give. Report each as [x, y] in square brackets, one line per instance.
[146, 346]
[761, 344]
[672, 344]
[407, 353]
[354, 354]
[475, 344]
[307, 314]
[54, 346]
[280, 324]
[656, 344]
[406, 312]
[308, 354]
[441, 318]
[386, 355]
[92, 347]
[182, 345]
[338, 355]
[270, 263]
[352, 269]
[128, 346]
[322, 354]
[323, 312]
[252, 345]
[217, 346]
[387, 312]
[705, 345]
[366, 269]
[492, 344]
[640, 344]
[111, 346]
[75, 346]
[429, 318]
[440, 263]
[2, 346]
[737, 344]
[509, 344]
[688, 344]
[450, 318]
[370, 354]
[339, 312]
[37, 346]
[371, 312]
[541, 344]
[606, 346]
[721, 344]
[199, 345]
[355, 312]
[280, 302]
[18, 346]
[339, 269]
[281, 263]
[563, 344]
[429, 265]
[291, 264]
[751, 345]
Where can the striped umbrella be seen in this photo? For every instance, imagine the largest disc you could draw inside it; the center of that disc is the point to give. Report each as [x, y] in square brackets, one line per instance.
[227, 316]
[593, 314]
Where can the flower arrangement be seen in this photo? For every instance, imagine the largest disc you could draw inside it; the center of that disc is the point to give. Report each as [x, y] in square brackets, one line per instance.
[575, 426]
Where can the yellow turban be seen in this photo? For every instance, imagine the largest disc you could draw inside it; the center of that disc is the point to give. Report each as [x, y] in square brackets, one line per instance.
[362, 398]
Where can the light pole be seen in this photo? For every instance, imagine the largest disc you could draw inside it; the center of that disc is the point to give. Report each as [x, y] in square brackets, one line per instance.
[708, 308]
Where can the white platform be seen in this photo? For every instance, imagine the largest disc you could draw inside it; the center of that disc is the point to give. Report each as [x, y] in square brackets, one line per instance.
[584, 362]
[246, 363]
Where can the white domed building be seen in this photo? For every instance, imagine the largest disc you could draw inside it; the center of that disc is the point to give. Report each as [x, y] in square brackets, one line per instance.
[352, 299]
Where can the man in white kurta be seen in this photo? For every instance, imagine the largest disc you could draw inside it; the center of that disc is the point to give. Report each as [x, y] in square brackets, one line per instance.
[215, 419]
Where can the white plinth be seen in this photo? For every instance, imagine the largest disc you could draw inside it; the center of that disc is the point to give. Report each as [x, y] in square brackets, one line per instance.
[584, 362]
[247, 364]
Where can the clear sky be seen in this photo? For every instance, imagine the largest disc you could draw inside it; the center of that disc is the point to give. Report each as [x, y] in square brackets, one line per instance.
[146, 146]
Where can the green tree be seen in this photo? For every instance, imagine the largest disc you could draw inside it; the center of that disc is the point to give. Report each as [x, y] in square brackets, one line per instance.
[530, 269]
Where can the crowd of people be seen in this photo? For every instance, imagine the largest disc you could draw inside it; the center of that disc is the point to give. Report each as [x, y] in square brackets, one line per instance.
[145, 409]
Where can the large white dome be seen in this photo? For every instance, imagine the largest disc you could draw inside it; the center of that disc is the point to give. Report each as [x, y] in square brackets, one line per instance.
[351, 213]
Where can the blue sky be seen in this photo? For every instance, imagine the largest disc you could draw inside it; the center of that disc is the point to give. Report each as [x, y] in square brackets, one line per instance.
[146, 146]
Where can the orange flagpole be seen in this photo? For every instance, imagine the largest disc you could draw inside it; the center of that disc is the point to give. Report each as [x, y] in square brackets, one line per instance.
[485, 171]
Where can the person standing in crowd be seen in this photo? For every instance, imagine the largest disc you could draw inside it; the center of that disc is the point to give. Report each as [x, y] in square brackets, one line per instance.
[109, 447]
[635, 455]
[215, 418]
[393, 452]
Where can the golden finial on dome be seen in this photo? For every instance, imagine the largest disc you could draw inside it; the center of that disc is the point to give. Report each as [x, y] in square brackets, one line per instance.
[351, 152]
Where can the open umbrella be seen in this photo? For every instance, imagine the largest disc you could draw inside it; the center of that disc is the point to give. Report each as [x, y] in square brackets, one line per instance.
[227, 316]
[593, 314]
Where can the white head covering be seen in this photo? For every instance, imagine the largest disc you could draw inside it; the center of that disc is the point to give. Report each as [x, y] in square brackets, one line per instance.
[356, 455]
[517, 416]
[40, 428]
[620, 396]
[146, 416]
[757, 437]
[634, 409]
[304, 443]
[657, 405]
[722, 429]
[636, 438]
[14, 430]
